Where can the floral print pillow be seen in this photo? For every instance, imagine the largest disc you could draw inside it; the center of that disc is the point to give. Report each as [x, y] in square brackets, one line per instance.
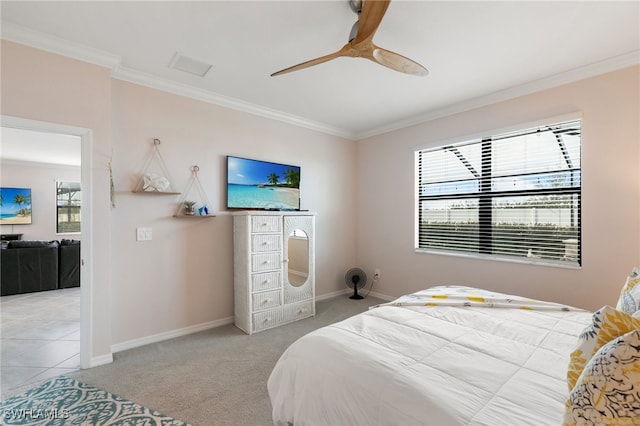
[629, 300]
[608, 390]
[608, 324]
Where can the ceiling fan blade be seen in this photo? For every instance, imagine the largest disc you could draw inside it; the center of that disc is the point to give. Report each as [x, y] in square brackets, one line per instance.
[398, 62]
[362, 45]
[372, 13]
[342, 52]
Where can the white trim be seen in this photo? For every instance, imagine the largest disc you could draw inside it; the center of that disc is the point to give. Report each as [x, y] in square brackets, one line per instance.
[382, 296]
[86, 249]
[477, 136]
[361, 292]
[22, 35]
[86, 253]
[498, 258]
[101, 360]
[330, 295]
[143, 79]
[160, 337]
[572, 116]
[38, 40]
[576, 74]
[154, 338]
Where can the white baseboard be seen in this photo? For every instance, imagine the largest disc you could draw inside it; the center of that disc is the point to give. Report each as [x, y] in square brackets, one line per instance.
[349, 291]
[101, 360]
[329, 295]
[155, 338]
[383, 296]
[134, 343]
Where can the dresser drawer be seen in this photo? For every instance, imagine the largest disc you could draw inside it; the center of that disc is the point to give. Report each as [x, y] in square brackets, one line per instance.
[266, 262]
[267, 319]
[298, 311]
[282, 315]
[267, 281]
[266, 224]
[266, 300]
[265, 242]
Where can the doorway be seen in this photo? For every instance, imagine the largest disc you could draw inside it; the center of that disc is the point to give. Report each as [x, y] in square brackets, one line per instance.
[86, 249]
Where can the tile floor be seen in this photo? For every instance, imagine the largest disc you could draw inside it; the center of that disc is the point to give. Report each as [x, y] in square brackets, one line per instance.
[40, 334]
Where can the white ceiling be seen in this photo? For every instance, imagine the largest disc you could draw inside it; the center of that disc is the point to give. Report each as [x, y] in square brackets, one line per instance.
[20, 145]
[477, 52]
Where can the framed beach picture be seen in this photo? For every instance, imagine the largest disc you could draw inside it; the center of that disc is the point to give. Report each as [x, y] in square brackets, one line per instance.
[15, 206]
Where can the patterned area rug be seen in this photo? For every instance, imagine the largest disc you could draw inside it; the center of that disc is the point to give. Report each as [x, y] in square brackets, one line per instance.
[64, 401]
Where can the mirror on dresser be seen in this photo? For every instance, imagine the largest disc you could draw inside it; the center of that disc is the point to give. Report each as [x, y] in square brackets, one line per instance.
[298, 262]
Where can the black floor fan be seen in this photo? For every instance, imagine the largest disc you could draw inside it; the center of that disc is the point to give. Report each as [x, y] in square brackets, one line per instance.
[355, 279]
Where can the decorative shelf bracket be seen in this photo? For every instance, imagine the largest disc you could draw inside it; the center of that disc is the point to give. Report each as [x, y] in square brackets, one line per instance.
[193, 208]
[155, 177]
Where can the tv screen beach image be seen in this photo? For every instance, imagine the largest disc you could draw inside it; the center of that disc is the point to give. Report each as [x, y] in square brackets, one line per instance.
[253, 184]
[15, 206]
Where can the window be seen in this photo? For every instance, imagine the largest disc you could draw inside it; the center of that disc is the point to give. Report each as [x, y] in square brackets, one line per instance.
[509, 196]
[68, 203]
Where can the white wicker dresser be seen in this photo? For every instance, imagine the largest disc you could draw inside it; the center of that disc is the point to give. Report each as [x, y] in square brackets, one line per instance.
[274, 268]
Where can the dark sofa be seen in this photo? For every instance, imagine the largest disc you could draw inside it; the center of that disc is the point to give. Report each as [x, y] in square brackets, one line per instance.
[30, 266]
[69, 265]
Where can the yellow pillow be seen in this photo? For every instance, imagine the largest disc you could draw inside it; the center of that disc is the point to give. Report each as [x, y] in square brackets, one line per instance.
[607, 392]
[608, 323]
[629, 300]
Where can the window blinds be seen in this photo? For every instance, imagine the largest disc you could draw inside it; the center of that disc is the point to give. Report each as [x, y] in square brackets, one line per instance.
[515, 194]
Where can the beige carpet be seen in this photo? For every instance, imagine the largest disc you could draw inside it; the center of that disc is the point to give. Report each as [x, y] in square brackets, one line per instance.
[215, 377]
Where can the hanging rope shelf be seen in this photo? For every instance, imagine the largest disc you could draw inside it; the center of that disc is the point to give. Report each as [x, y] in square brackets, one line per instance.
[155, 177]
[198, 208]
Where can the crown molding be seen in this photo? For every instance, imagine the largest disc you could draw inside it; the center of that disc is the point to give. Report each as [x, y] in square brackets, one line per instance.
[28, 37]
[576, 74]
[148, 80]
[22, 35]
[38, 40]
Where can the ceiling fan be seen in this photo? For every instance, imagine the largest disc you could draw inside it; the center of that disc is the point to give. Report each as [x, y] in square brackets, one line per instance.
[360, 44]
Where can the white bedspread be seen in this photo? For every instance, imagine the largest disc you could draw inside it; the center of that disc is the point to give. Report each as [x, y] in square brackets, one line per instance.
[441, 366]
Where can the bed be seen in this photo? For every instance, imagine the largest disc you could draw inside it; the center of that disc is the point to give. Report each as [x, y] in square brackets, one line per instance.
[447, 355]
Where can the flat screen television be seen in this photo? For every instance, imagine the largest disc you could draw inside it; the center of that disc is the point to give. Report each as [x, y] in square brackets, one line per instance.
[262, 185]
[15, 206]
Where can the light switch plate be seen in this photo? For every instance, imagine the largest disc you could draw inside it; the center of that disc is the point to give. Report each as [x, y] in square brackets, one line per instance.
[144, 234]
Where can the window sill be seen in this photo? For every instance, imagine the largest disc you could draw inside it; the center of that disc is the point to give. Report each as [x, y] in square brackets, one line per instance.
[525, 261]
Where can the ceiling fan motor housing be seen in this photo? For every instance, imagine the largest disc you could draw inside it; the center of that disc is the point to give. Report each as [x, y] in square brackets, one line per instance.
[356, 5]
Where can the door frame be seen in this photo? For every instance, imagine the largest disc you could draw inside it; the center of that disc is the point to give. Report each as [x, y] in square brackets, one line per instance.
[86, 218]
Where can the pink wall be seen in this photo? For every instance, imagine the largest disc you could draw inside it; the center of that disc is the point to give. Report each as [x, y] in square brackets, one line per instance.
[183, 279]
[184, 276]
[45, 87]
[609, 105]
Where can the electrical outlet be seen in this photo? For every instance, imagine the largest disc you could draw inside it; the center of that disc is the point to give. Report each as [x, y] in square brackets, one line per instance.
[376, 274]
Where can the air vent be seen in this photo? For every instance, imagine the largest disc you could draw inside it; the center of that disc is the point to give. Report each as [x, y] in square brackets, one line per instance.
[190, 65]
